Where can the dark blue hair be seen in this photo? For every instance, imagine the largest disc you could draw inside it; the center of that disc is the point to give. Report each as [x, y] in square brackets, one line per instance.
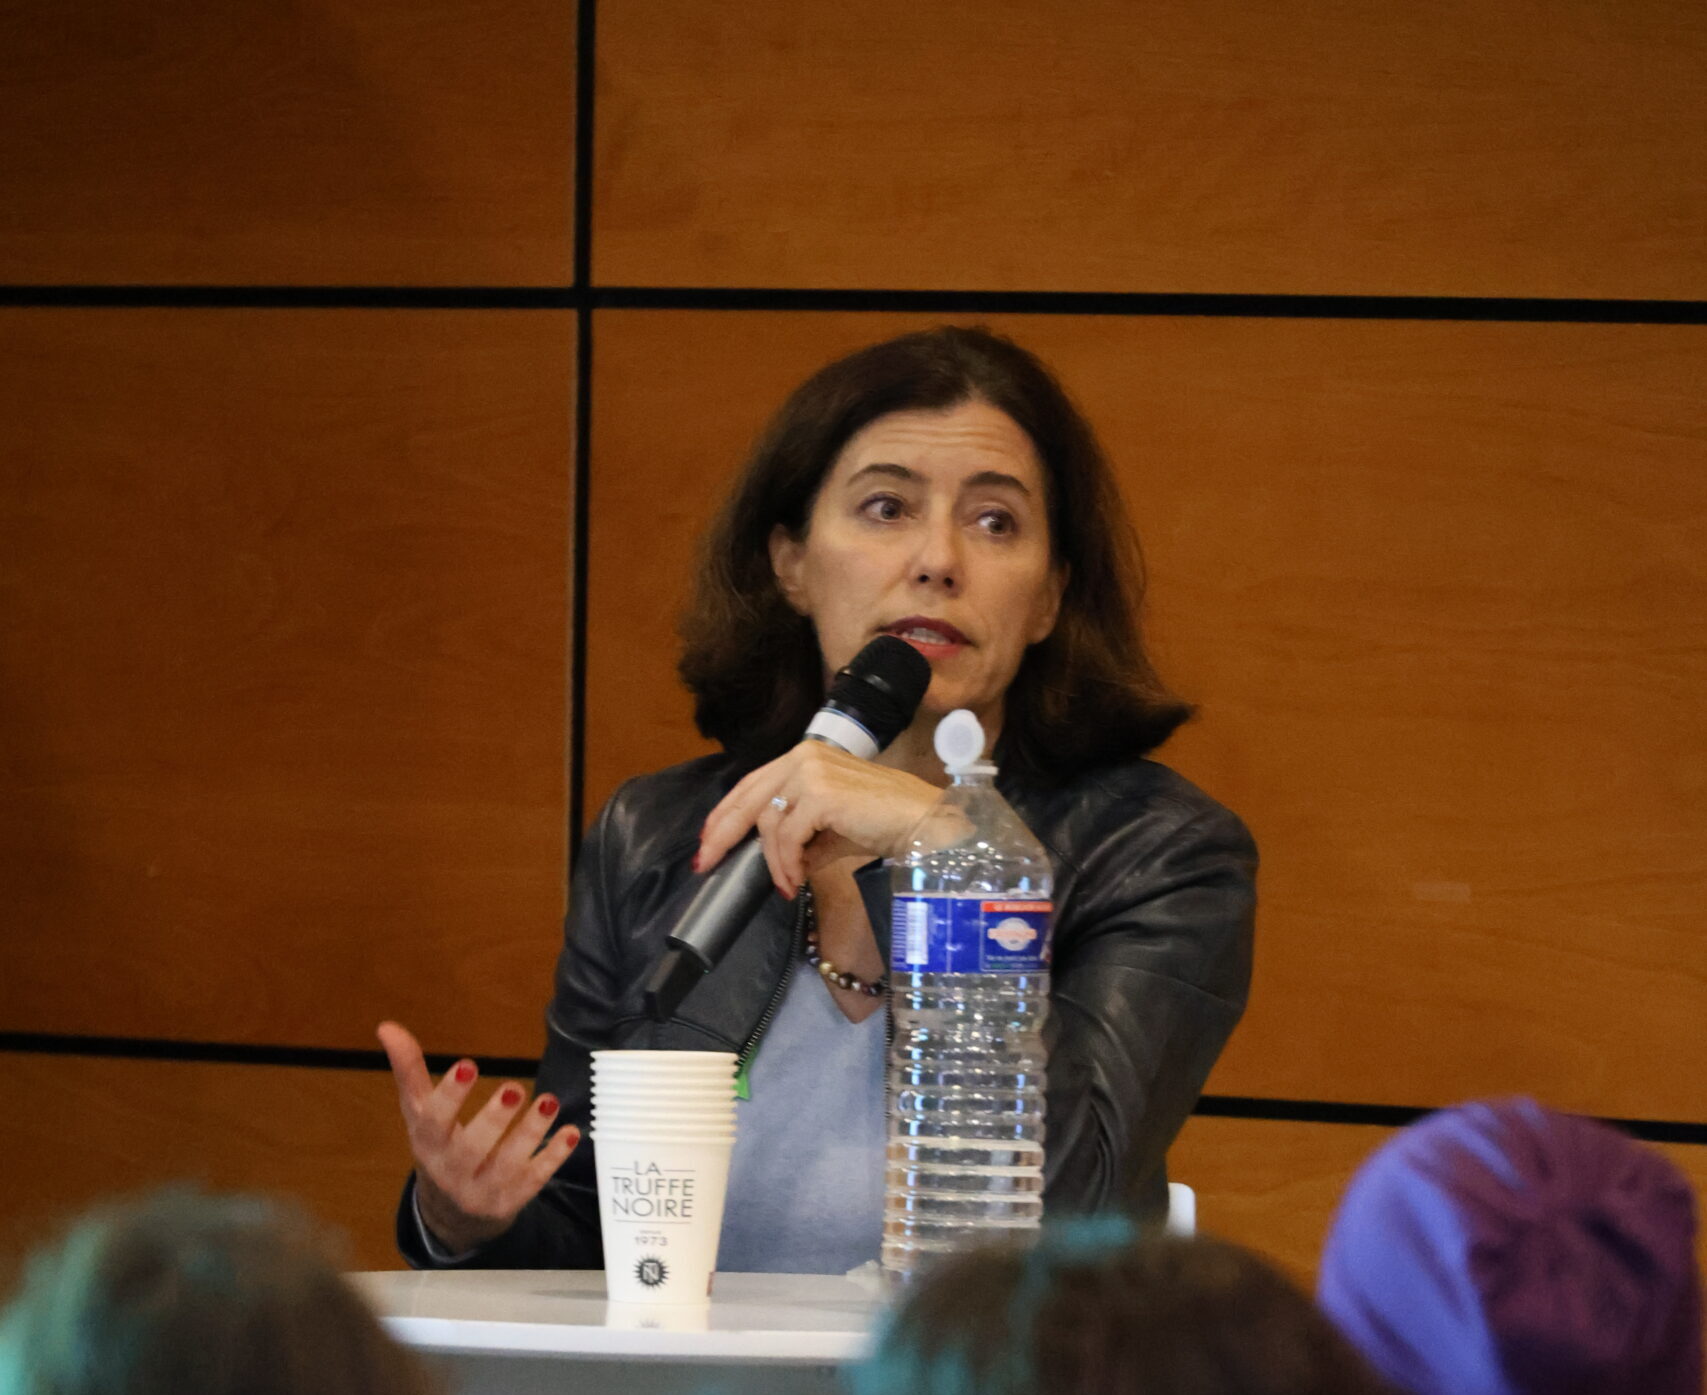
[905, 1359]
[187, 1294]
[1094, 1309]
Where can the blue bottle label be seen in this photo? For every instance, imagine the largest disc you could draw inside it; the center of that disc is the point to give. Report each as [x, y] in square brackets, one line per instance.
[966, 935]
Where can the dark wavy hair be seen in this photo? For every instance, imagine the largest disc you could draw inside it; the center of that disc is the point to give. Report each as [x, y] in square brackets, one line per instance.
[1091, 1311]
[1086, 695]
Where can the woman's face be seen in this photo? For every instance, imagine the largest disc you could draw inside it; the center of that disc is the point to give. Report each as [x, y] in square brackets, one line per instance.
[931, 525]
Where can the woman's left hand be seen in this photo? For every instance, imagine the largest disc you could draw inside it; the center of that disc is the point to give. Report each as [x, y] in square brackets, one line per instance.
[836, 805]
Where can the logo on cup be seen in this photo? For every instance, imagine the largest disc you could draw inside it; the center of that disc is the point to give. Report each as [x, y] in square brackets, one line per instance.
[1012, 934]
[651, 1271]
[647, 1192]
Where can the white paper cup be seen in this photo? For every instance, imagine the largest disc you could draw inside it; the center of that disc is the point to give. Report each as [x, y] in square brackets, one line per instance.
[624, 1120]
[646, 1128]
[661, 1211]
[672, 1061]
[659, 1317]
[697, 1081]
[661, 1114]
[700, 1098]
[680, 1089]
[635, 1099]
[604, 1128]
[712, 1088]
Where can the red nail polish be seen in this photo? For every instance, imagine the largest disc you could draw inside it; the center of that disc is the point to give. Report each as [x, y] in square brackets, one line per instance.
[696, 857]
[548, 1105]
[464, 1072]
[510, 1096]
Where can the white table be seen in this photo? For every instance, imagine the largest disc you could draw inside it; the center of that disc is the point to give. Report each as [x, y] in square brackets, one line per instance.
[525, 1332]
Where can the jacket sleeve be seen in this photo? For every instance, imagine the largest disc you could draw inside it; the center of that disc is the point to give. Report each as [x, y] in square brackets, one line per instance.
[559, 1229]
[1152, 966]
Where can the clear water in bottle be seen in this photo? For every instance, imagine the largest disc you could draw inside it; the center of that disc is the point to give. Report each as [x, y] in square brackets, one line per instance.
[969, 991]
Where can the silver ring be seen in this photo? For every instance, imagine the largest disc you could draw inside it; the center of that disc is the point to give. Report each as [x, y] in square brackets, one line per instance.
[779, 804]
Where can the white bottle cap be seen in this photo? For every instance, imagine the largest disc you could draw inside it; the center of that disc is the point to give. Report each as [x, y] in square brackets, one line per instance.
[960, 744]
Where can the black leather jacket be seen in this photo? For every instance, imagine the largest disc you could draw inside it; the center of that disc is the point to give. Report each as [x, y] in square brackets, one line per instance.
[1154, 904]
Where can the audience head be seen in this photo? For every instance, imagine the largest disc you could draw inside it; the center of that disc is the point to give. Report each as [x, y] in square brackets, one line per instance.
[1503, 1249]
[1091, 1311]
[183, 1294]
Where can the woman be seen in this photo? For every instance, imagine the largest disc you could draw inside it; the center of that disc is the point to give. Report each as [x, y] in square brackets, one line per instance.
[1091, 1310]
[184, 1294]
[941, 487]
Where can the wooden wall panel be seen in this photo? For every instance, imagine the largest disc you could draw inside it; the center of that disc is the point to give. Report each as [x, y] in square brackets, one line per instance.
[80, 1130]
[1275, 1186]
[1271, 1185]
[348, 142]
[1441, 590]
[282, 673]
[1453, 149]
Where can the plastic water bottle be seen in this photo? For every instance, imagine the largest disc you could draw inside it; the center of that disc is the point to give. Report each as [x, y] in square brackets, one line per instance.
[969, 991]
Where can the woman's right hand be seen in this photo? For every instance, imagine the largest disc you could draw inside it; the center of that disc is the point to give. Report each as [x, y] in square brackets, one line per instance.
[471, 1180]
[814, 805]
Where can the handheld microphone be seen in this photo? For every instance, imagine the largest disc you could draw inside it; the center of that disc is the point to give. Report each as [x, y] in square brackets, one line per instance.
[871, 702]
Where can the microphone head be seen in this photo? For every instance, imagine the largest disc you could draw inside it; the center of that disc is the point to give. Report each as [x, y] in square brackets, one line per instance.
[882, 687]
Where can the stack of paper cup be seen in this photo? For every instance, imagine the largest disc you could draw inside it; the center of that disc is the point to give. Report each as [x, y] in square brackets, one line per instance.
[663, 1129]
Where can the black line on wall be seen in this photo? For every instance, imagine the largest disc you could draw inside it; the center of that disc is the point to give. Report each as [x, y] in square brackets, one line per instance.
[229, 1053]
[1331, 307]
[939, 302]
[586, 25]
[335, 1058]
[578, 581]
[1395, 1116]
[1391, 1116]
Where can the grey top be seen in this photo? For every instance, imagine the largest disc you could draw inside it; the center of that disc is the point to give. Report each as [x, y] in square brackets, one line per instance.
[806, 1179]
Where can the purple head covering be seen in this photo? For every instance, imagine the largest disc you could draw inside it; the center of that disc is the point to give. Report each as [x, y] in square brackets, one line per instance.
[1503, 1249]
